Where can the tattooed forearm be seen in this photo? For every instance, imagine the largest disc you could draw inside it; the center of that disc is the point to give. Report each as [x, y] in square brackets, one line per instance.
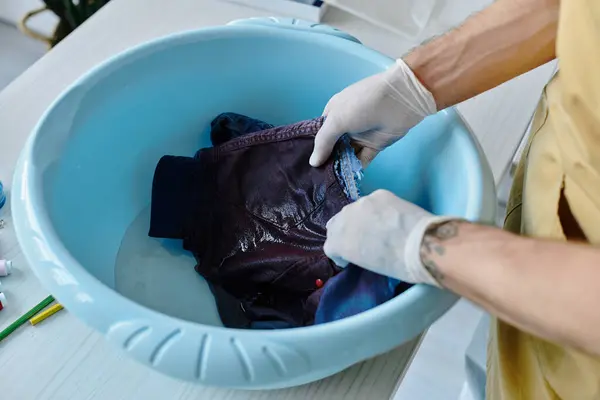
[433, 246]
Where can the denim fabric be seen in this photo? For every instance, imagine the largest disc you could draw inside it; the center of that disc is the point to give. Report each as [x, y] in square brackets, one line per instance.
[348, 169]
[353, 291]
[229, 126]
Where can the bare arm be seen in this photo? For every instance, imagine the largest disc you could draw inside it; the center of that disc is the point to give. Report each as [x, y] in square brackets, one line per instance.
[508, 38]
[547, 288]
[505, 40]
[550, 289]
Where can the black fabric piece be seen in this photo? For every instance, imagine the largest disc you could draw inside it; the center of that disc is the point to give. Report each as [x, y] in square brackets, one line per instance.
[230, 309]
[173, 196]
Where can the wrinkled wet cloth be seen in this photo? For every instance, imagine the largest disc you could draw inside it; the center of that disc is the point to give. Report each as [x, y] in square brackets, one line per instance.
[253, 212]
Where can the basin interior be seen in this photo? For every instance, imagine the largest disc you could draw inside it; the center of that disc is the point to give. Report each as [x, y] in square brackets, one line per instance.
[99, 145]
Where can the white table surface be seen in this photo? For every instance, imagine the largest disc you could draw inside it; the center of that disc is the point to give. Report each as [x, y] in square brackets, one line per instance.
[63, 359]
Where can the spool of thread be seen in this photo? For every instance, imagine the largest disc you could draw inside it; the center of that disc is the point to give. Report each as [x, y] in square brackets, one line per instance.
[5, 267]
[2, 195]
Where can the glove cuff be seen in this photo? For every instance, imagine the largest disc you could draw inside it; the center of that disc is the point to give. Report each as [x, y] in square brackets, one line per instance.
[401, 78]
[412, 251]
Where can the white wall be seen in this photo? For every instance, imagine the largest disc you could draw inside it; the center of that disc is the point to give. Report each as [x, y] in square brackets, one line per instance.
[13, 10]
[448, 13]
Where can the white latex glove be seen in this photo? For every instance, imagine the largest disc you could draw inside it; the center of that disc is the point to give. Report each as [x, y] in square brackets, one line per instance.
[375, 112]
[384, 234]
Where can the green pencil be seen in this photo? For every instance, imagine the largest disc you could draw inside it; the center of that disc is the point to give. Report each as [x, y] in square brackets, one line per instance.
[25, 317]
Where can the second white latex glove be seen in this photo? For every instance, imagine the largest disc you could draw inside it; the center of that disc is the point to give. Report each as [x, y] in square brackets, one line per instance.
[382, 233]
[375, 112]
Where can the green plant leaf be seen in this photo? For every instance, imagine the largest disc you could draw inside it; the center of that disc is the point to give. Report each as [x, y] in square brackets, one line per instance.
[71, 14]
[57, 7]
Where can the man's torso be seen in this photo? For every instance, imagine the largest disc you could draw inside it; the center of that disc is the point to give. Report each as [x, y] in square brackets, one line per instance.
[556, 194]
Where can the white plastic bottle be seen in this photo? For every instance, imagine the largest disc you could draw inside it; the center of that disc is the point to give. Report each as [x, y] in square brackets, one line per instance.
[405, 17]
[415, 20]
[5, 267]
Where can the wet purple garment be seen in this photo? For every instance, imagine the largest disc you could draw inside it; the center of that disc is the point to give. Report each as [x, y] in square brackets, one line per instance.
[253, 212]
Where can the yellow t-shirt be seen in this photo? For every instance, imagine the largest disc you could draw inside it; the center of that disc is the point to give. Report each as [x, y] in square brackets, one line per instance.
[556, 194]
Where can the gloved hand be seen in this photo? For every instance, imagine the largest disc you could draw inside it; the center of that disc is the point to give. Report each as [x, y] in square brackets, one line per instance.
[375, 112]
[384, 234]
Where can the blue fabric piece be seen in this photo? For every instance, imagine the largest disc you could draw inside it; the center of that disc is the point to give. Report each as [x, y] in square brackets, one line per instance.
[353, 291]
[229, 126]
[348, 169]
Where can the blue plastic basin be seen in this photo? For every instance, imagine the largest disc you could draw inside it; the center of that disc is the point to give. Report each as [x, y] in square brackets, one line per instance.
[82, 190]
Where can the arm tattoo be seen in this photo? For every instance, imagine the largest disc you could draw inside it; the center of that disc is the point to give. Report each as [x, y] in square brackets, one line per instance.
[433, 244]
